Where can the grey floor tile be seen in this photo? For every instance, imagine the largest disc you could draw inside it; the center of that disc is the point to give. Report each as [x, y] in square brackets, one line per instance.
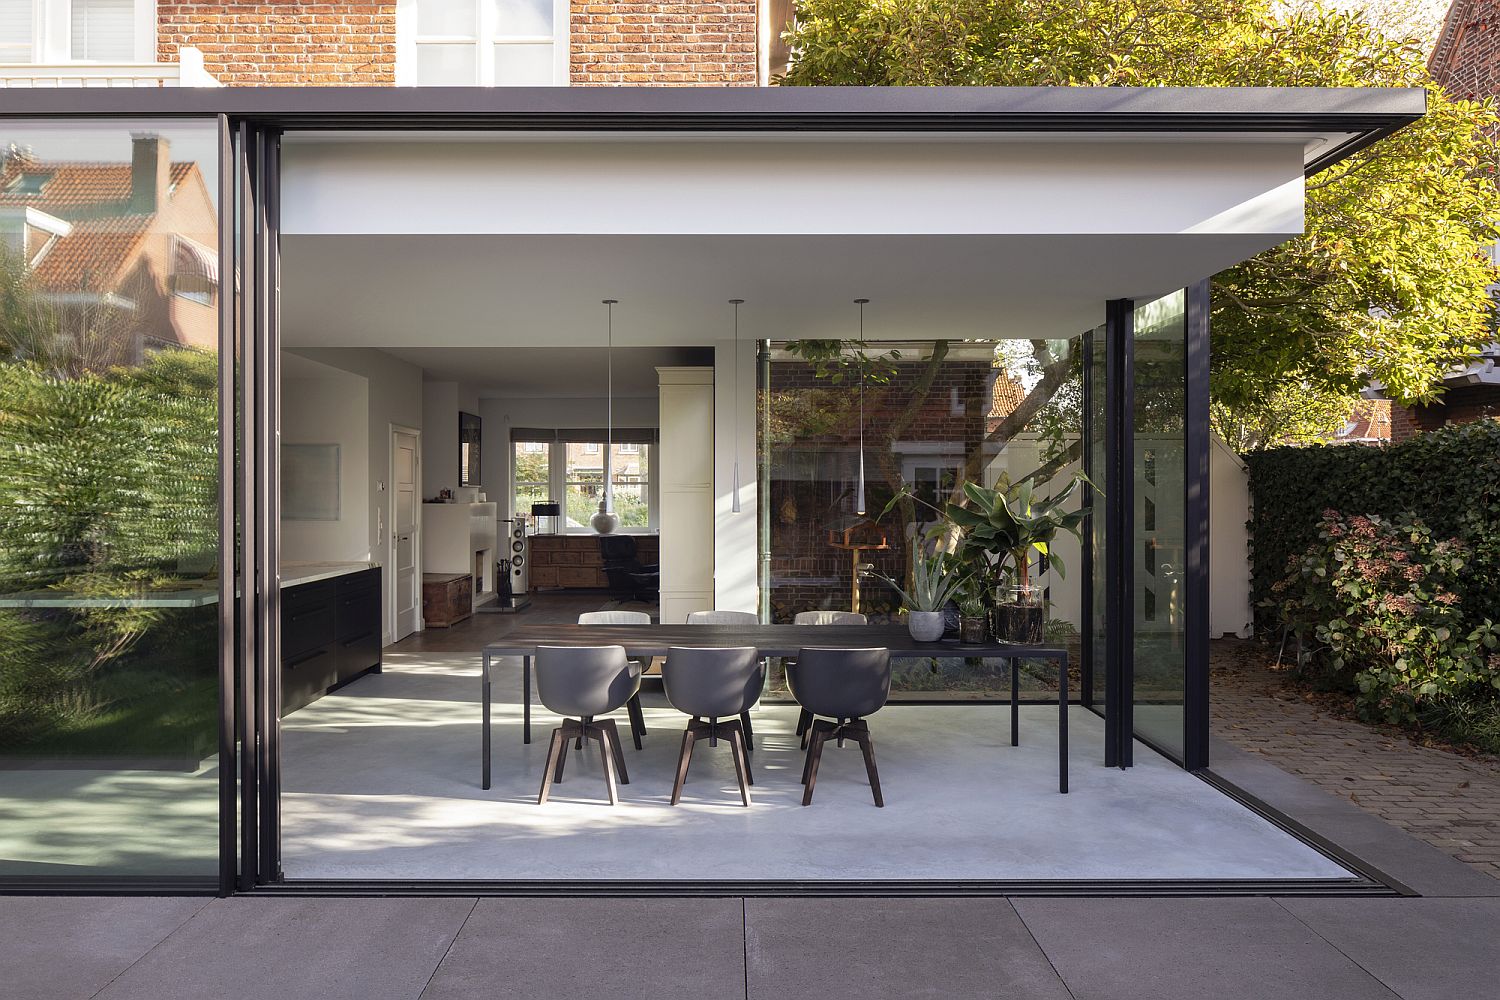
[1190, 949]
[907, 948]
[1423, 949]
[538, 949]
[298, 949]
[68, 947]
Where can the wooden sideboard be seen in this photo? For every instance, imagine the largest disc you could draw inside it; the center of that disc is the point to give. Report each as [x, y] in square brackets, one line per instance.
[573, 561]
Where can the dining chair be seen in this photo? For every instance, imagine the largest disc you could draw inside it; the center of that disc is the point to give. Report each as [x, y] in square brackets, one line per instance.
[633, 706]
[733, 618]
[848, 686]
[715, 686]
[804, 718]
[582, 683]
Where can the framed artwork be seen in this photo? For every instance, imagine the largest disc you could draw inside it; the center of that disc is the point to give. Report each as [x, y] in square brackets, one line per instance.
[310, 482]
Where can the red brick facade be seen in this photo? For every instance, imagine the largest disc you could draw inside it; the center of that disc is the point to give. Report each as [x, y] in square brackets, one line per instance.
[663, 44]
[1458, 406]
[348, 43]
[251, 43]
[1466, 59]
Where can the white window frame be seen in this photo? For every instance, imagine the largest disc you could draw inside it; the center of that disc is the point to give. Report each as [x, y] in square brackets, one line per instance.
[557, 469]
[485, 38]
[52, 33]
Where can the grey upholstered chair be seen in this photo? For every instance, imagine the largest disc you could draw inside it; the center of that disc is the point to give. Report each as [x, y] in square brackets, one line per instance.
[734, 618]
[582, 683]
[711, 684]
[846, 685]
[633, 706]
[804, 717]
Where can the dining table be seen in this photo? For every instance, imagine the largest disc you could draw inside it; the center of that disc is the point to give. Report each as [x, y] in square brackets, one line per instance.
[645, 641]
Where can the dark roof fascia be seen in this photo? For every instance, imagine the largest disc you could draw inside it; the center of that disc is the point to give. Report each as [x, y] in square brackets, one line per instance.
[1368, 113]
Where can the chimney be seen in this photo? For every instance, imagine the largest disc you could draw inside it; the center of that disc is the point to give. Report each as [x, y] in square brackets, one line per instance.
[150, 172]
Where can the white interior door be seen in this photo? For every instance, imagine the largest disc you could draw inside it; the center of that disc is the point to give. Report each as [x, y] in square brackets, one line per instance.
[406, 577]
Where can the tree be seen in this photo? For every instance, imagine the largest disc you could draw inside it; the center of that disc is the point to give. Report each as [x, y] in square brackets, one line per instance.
[1390, 281]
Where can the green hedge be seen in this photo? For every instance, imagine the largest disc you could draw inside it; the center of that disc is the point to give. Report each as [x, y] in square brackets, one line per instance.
[1449, 478]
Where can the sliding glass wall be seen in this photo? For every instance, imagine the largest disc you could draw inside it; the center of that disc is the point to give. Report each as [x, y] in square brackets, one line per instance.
[109, 489]
[933, 415]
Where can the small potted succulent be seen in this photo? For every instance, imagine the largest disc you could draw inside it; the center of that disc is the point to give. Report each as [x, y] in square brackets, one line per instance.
[973, 626]
[932, 587]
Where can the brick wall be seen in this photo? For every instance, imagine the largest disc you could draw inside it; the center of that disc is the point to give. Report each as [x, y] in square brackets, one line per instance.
[664, 44]
[267, 42]
[1466, 59]
[1459, 406]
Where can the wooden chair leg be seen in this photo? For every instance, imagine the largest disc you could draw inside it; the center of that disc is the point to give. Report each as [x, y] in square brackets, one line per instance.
[814, 756]
[748, 731]
[637, 719]
[804, 723]
[741, 762]
[684, 757]
[619, 749]
[553, 750]
[569, 727]
[862, 737]
[607, 757]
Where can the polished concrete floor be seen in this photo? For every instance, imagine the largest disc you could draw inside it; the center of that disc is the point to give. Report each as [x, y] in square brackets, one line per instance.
[382, 781]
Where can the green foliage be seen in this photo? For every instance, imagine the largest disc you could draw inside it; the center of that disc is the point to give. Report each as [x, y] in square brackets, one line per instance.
[1390, 280]
[1449, 479]
[1377, 607]
[999, 528]
[934, 581]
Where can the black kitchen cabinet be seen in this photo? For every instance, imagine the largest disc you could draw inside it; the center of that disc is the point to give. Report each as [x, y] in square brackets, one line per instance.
[330, 634]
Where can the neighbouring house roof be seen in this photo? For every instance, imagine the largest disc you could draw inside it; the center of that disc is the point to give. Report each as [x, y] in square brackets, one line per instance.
[75, 188]
[1005, 395]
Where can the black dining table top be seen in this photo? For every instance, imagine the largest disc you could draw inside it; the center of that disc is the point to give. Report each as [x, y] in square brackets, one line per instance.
[769, 640]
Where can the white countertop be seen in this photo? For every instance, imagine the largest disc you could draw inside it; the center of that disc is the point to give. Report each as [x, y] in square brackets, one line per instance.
[294, 573]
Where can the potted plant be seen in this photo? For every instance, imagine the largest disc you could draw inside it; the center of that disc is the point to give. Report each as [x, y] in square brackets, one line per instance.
[973, 628]
[1001, 531]
[932, 587]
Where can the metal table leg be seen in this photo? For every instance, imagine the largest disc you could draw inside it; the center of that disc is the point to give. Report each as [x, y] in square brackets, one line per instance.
[1015, 701]
[485, 727]
[526, 700]
[1062, 724]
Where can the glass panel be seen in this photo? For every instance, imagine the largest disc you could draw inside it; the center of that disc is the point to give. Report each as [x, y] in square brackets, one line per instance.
[15, 32]
[104, 30]
[524, 65]
[523, 17]
[531, 467]
[109, 488]
[936, 414]
[448, 17]
[446, 65]
[584, 484]
[1097, 521]
[1160, 519]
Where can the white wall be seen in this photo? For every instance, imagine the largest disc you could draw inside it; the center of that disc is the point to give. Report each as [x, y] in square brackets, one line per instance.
[441, 404]
[395, 396]
[331, 411]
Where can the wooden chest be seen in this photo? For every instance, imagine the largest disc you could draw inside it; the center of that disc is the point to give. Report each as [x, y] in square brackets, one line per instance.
[447, 598]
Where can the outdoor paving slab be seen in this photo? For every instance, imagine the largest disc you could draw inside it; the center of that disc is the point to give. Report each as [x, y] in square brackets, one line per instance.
[290, 949]
[897, 947]
[1423, 949]
[539, 949]
[66, 947]
[1416, 865]
[1190, 949]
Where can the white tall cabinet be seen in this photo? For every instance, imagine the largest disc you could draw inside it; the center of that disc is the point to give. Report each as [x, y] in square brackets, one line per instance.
[685, 471]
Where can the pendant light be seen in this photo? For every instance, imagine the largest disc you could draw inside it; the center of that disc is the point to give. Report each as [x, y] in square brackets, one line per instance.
[734, 500]
[606, 521]
[859, 490]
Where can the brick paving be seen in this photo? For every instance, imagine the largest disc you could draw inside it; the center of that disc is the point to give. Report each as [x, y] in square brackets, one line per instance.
[1448, 800]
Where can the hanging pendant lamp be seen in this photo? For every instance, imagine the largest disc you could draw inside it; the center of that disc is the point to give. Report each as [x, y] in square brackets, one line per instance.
[859, 489]
[734, 498]
[606, 521]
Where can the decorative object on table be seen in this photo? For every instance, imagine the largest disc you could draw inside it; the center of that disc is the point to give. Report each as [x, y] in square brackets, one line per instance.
[999, 530]
[551, 510]
[310, 482]
[606, 521]
[469, 426]
[932, 586]
[973, 624]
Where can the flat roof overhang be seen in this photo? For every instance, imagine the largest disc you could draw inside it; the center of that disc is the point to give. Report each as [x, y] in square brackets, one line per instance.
[1348, 118]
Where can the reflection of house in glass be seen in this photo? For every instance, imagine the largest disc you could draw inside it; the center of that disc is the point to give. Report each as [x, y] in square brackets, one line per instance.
[122, 253]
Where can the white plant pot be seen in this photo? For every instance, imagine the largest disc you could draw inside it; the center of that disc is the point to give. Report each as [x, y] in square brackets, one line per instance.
[925, 626]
